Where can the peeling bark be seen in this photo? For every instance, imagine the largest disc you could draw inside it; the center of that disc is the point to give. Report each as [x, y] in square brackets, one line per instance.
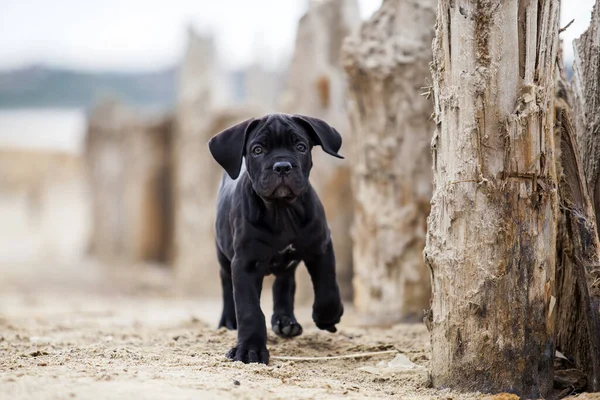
[491, 241]
[578, 253]
[387, 68]
[586, 87]
[578, 263]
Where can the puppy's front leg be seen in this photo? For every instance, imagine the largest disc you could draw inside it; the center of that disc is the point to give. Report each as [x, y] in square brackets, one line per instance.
[252, 331]
[327, 307]
[284, 322]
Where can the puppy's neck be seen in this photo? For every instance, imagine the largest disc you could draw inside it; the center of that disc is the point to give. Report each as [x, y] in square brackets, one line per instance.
[279, 203]
[277, 206]
[283, 214]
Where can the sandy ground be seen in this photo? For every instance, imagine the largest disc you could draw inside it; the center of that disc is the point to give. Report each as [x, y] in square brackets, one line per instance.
[86, 332]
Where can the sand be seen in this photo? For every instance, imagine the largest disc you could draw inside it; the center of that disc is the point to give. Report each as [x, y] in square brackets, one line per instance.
[85, 331]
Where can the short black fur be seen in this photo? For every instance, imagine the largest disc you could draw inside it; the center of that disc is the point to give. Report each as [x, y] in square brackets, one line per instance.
[269, 218]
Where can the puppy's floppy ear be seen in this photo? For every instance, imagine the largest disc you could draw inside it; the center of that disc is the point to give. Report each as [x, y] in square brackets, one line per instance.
[227, 147]
[321, 133]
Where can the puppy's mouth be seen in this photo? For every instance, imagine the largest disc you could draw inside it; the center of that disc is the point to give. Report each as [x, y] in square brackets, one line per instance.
[283, 192]
[286, 188]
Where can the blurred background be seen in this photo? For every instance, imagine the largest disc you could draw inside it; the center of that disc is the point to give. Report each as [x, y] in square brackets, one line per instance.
[106, 108]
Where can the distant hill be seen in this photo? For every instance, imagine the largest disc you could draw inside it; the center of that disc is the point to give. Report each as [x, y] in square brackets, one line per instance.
[49, 87]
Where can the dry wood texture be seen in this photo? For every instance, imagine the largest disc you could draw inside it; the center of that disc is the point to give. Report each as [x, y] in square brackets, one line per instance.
[586, 87]
[578, 268]
[578, 252]
[387, 67]
[491, 241]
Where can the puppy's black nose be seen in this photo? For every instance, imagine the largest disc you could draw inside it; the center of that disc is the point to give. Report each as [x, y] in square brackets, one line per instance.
[282, 167]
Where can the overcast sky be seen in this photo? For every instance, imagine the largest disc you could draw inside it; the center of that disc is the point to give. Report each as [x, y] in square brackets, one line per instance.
[150, 34]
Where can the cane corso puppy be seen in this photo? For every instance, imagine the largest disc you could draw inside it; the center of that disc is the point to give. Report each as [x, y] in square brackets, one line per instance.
[269, 218]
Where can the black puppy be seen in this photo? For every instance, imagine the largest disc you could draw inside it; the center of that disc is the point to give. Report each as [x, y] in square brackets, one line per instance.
[269, 219]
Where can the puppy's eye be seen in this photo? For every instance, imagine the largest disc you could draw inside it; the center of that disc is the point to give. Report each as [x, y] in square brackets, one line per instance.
[257, 150]
[301, 148]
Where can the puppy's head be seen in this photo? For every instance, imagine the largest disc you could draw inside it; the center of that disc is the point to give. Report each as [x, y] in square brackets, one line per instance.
[277, 150]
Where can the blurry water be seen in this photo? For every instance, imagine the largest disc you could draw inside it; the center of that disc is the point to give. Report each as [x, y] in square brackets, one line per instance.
[51, 129]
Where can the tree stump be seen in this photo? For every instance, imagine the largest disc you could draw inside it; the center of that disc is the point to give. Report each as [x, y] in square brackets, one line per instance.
[491, 241]
[387, 66]
[128, 162]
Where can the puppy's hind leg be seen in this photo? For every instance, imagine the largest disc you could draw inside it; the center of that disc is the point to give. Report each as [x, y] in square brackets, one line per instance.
[284, 322]
[228, 319]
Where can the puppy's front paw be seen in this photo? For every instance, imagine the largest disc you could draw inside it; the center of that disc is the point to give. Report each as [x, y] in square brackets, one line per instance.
[327, 314]
[285, 326]
[248, 353]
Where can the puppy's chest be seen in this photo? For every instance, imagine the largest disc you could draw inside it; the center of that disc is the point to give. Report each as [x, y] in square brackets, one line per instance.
[282, 259]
